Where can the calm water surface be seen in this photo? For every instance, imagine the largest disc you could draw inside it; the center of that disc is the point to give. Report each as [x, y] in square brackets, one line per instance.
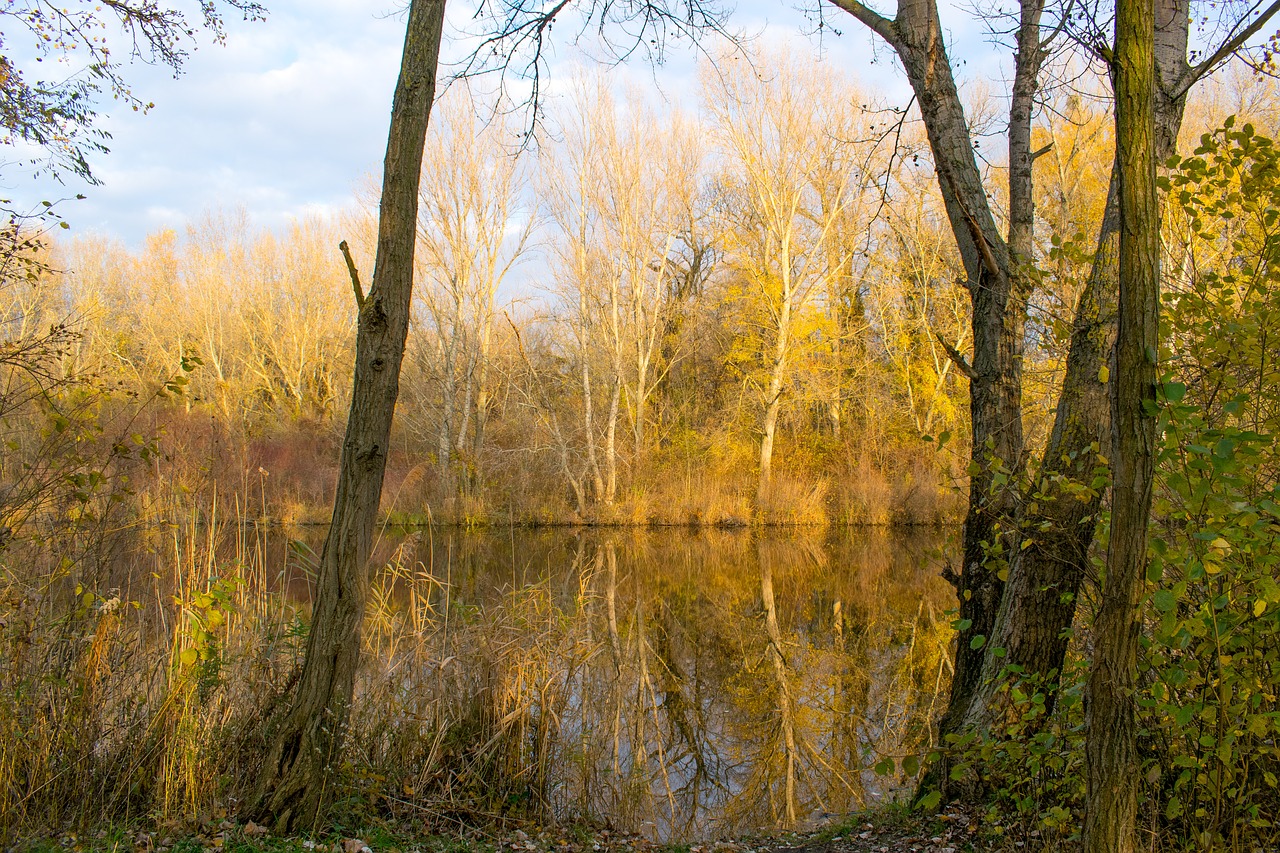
[679, 684]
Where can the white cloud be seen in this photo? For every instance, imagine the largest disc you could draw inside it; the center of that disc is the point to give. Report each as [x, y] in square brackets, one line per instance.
[289, 115]
[281, 120]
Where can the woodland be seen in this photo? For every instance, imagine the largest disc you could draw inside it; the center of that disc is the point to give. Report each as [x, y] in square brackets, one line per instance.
[785, 325]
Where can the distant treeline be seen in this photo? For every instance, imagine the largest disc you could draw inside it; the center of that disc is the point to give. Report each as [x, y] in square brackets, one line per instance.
[749, 313]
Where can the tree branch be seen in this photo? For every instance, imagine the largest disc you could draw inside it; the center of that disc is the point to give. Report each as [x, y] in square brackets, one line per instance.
[957, 357]
[1063, 18]
[353, 272]
[1227, 49]
[983, 247]
[870, 19]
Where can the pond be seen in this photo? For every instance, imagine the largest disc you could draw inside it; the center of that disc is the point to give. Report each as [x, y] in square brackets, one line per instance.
[680, 684]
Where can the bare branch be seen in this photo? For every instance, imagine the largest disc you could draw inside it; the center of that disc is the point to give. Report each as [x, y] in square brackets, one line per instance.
[871, 19]
[988, 258]
[353, 272]
[514, 35]
[1226, 50]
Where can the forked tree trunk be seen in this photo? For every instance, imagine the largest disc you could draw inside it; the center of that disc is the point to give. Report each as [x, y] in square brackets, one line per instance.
[305, 743]
[1111, 759]
[1059, 522]
[1038, 606]
[995, 374]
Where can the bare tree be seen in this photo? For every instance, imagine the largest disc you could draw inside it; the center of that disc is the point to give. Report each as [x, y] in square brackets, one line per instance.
[570, 187]
[473, 232]
[649, 168]
[916, 305]
[780, 137]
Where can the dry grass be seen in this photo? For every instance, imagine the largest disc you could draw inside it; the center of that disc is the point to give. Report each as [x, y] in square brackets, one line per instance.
[574, 687]
[793, 500]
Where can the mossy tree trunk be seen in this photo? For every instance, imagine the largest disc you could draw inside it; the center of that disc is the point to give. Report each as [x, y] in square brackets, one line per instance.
[1111, 760]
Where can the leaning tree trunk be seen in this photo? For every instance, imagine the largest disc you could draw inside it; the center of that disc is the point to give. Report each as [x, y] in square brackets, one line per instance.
[995, 373]
[1111, 759]
[305, 742]
[1059, 516]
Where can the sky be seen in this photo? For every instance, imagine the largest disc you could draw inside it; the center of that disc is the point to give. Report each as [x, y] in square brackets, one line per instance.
[290, 115]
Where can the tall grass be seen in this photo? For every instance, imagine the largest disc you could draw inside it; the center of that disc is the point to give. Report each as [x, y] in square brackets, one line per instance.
[563, 676]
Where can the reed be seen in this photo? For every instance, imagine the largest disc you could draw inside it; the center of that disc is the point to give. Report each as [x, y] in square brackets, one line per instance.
[135, 674]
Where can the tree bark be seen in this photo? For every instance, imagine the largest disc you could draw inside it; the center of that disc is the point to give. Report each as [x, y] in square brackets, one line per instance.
[1111, 760]
[995, 384]
[1058, 521]
[1058, 524]
[305, 744]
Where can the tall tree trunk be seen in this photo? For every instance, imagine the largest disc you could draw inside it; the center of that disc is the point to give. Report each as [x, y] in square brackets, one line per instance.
[294, 785]
[773, 402]
[1111, 760]
[588, 417]
[995, 375]
[1059, 523]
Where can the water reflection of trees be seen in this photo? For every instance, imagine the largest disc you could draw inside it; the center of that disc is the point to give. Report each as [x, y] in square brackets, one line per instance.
[672, 683]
